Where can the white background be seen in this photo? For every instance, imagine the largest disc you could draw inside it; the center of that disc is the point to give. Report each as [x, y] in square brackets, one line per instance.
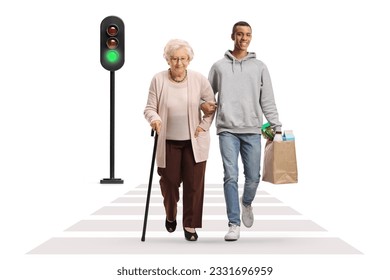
[329, 63]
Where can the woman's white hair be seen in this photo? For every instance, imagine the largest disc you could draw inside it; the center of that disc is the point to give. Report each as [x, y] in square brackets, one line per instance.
[175, 44]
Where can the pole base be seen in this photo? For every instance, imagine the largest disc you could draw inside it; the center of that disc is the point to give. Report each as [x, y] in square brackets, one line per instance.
[111, 181]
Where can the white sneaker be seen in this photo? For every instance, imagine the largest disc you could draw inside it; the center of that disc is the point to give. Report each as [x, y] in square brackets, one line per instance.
[247, 215]
[233, 233]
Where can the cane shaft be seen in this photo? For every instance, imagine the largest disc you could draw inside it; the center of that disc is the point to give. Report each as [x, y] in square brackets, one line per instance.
[149, 187]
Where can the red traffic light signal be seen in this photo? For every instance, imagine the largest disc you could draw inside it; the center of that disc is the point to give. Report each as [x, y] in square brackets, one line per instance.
[112, 30]
[112, 43]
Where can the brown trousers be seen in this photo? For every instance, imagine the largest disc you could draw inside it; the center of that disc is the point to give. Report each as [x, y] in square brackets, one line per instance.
[181, 167]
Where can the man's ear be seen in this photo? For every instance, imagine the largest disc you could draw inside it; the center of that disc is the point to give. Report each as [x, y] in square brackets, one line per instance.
[232, 36]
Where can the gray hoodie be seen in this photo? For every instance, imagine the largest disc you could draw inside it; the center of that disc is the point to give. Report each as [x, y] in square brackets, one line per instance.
[244, 94]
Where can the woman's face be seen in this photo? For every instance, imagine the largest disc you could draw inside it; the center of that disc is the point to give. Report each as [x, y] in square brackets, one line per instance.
[179, 61]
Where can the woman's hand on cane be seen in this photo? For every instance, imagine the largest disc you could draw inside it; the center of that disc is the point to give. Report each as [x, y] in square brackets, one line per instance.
[156, 126]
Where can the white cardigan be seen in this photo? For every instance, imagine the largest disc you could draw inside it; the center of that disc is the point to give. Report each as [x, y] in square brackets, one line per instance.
[199, 89]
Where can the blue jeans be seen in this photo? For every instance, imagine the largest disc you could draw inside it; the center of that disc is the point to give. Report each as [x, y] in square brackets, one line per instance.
[249, 146]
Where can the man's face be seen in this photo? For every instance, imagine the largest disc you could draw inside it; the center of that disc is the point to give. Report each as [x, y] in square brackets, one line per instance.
[242, 37]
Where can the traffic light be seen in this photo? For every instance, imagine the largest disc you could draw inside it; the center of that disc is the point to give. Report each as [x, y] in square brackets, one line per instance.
[112, 43]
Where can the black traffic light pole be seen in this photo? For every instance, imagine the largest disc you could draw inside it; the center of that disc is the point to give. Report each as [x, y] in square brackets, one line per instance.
[112, 58]
[112, 179]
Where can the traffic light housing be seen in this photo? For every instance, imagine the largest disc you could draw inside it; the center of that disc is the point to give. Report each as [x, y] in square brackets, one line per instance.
[112, 43]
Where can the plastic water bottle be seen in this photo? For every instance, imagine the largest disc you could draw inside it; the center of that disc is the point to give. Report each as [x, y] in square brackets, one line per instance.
[267, 131]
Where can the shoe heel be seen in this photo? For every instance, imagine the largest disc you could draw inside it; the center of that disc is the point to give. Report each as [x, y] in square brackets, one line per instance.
[170, 226]
[190, 236]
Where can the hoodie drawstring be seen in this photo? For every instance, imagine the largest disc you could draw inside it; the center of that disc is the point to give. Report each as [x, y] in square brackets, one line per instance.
[234, 64]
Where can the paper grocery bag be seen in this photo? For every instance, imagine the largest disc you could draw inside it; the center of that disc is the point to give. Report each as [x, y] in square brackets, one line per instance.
[280, 163]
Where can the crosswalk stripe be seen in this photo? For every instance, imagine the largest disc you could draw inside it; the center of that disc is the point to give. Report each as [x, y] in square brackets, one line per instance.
[210, 210]
[209, 245]
[208, 225]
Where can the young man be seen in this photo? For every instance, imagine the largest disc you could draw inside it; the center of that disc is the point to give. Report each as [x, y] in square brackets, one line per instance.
[245, 93]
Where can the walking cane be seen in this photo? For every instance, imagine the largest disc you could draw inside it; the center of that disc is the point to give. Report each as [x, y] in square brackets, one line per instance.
[149, 186]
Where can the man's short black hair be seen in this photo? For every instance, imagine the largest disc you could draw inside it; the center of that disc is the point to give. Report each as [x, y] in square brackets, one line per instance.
[240, 23]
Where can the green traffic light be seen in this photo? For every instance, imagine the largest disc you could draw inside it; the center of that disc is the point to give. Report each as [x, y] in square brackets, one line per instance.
[112, 56]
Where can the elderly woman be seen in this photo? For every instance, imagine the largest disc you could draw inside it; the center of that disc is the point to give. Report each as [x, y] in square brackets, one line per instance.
[173, 111]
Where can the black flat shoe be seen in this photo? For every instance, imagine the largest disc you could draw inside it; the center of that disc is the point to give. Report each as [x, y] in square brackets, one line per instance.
[170, 226]
[190, 236]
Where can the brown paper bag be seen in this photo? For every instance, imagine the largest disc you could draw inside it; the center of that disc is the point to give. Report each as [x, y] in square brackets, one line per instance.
[280, 163]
